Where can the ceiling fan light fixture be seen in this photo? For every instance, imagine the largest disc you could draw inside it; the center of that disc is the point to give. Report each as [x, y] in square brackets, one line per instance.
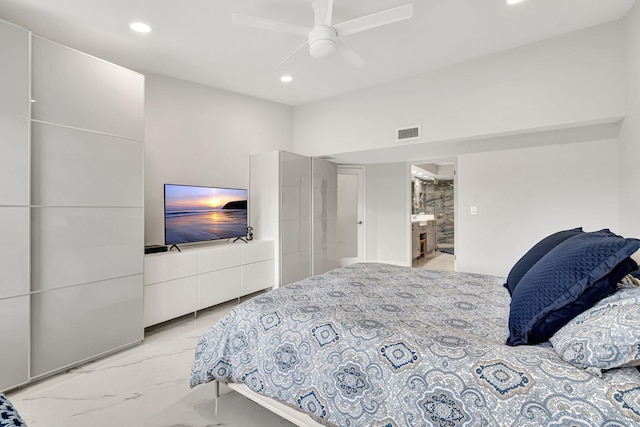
[322, 42]
[322, 49]
[323, 38]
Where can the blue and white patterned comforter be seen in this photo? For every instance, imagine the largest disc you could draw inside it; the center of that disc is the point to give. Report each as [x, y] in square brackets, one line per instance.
[9, 417]
[381, 345]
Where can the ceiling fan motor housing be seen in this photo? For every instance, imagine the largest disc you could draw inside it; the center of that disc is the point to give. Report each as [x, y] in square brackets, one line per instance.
[322, 41]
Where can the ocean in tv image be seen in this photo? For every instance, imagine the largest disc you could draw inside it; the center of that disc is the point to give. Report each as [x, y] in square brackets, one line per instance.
[195, 214]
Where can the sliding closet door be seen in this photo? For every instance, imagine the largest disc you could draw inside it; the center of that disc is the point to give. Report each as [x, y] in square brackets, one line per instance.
[14, 205]
[86, 207]
[295, 217]
[325, 216]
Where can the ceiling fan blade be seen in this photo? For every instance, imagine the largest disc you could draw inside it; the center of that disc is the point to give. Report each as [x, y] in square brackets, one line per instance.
[355, 59]
[378, 19]
[323, 9]
[269, 24]
[291, 54]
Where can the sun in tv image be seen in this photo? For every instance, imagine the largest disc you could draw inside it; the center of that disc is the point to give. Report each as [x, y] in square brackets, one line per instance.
[196, 214]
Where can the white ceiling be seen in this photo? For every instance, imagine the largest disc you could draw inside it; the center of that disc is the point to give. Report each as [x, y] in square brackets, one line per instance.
[195, 40]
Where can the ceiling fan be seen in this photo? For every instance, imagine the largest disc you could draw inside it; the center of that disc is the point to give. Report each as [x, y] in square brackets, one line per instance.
[324, 38]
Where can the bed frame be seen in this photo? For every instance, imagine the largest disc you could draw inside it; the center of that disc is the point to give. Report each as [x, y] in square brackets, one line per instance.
[287, 412]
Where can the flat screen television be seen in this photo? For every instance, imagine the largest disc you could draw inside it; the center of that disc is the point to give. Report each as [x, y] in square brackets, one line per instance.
[197, 214]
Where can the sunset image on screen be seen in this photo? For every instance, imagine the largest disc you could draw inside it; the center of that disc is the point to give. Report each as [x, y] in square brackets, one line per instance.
[194, 213]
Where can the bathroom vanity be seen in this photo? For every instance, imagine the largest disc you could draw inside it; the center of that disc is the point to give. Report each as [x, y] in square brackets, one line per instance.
[423, 238]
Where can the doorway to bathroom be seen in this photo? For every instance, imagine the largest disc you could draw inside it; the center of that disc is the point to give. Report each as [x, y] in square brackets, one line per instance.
[433, 215]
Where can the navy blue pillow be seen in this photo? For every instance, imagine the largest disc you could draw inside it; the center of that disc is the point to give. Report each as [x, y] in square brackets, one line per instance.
[534, 255]
[570, 278]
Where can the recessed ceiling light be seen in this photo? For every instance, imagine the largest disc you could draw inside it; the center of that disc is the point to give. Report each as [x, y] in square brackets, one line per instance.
[514, 1]
[286, 78]
[140, 27]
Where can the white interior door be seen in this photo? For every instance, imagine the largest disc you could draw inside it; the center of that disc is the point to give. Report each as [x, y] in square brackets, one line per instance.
[351, 221]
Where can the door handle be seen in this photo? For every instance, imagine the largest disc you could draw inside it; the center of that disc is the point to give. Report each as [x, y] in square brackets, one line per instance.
[359, 222]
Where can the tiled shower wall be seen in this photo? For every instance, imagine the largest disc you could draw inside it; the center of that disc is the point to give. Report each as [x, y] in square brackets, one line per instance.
[435, 197]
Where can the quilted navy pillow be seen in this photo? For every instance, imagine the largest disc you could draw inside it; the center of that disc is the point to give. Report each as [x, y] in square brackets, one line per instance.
[569, 279]
[534, 255]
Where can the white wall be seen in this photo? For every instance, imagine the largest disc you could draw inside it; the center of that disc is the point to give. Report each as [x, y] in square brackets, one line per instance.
[202, 135]
[578, 77]
[387, 192]
[630, 135]
[525, 98]
[526, 194]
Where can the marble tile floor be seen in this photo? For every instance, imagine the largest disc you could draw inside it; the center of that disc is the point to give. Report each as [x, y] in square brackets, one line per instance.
[438, 261]
[147, 385]
[144, 386]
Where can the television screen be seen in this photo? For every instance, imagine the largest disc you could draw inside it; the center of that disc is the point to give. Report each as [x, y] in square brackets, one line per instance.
[196, 214]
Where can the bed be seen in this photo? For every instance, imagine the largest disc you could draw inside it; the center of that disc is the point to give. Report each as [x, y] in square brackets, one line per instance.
[382, 345]
[9, 417]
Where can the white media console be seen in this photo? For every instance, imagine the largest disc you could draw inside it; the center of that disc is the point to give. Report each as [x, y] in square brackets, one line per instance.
[179, 283]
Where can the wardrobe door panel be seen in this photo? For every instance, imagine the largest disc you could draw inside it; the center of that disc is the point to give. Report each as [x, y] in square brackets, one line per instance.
[77, 323]
[14, 202]
[291, 235]
[14, 330]
[78, 90]
[14, 251]
[77, 168]
[14, 160]
[325, 216]
[295, 266]
[295, 169]
[292, 201]
[325, 253]
[80, 245]
[14, 72]
[295, 217]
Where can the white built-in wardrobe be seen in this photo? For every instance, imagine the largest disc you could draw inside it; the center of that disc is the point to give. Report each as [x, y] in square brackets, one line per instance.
[71, 206]
[294, 203]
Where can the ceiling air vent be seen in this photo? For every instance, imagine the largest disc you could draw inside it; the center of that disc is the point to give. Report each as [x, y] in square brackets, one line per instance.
[407, 134]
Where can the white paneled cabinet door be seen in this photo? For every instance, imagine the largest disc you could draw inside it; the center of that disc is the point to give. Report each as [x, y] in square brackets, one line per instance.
[14, 327]
[294, 202]
[14, 73]
[80, 91]
[87, 210]
[76, 323]
[14, 205]
[325, 216]
[295, 217]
